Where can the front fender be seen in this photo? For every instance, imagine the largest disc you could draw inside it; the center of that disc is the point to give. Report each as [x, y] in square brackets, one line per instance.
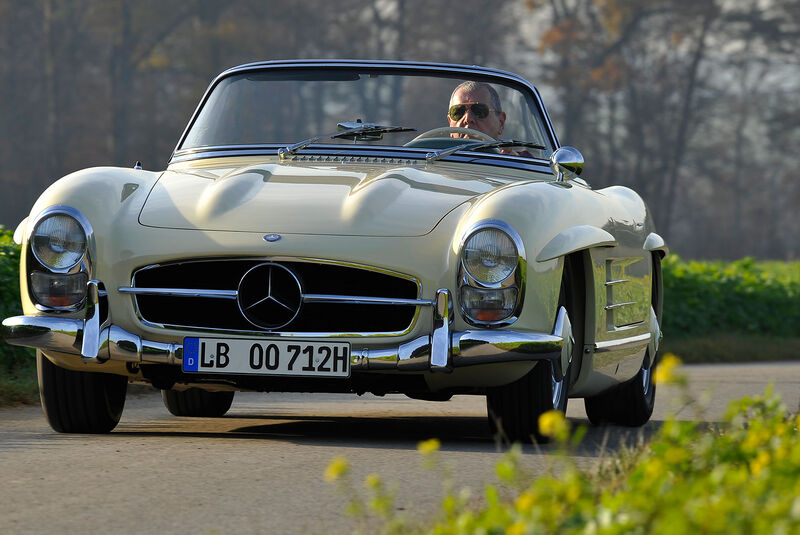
[100, 193]
[574, 239]
[108, 197]
[539, 212]
[655, 243]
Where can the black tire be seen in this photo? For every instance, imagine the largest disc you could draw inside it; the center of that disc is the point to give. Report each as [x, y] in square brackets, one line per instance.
[514, 409]
[80, 402]
[197, 403]
[631, 404]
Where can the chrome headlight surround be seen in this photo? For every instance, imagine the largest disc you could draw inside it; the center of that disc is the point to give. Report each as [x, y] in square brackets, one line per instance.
[71, 276]
[507, 285]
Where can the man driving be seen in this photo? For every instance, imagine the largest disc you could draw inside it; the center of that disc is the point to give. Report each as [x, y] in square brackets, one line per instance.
[476, 105]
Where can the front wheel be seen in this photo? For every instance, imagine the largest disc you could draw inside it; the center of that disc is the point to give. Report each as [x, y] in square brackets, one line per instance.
[514, 409]
[630, 404]
[197, 403]
[80, 402]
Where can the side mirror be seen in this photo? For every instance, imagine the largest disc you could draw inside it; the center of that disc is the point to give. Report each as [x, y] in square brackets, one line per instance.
[566, 163]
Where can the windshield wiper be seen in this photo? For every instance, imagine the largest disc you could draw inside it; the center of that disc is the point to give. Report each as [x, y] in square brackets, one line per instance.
[347, 130]
[436, 155]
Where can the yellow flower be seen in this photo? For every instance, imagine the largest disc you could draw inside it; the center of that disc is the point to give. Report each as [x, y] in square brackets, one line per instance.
[517, 528]
[372, 481]
[573, 493]
[654, 468]
[554, 424]
[427, 447]
[665, 371]
[761, 461]
[336, 469]
[675, 455]
[525, 502]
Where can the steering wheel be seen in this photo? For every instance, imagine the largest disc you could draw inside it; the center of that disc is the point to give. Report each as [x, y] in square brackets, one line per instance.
[445, 131]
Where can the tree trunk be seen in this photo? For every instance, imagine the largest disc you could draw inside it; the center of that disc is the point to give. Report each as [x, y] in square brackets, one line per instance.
[682, 136]
[121, 77]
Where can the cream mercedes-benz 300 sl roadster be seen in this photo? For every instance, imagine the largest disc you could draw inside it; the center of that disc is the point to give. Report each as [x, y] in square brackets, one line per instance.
[346, 226]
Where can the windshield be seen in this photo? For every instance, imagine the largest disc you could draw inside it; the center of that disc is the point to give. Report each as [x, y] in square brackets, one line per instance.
[288, 107]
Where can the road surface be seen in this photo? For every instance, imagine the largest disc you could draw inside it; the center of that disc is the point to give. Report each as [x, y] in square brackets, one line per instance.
[260, 468]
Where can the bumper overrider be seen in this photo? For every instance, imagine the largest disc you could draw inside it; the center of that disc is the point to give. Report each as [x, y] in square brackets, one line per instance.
[442, 350]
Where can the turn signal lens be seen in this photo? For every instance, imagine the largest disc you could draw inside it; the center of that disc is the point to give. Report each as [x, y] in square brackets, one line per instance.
[488, 305]
[490, 256]
[58, 241]
[58, 291]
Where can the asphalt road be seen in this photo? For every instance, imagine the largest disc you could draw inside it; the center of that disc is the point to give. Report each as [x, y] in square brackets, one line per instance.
[260, 468]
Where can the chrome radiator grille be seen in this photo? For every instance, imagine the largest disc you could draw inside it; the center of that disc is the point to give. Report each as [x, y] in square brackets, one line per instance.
[275, 296]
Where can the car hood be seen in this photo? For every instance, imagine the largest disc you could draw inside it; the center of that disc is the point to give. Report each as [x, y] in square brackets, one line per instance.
[356, 200]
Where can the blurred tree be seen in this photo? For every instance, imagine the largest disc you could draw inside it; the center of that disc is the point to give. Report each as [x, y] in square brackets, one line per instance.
[668, 97]
[691, 102]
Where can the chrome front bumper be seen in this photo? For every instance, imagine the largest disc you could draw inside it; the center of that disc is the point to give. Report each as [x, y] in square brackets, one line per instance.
[442, 350]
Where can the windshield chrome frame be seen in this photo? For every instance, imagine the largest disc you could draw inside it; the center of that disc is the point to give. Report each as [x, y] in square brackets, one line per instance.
[400, 66]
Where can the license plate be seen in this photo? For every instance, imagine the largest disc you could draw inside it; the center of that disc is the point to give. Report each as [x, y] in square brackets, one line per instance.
[266, 357]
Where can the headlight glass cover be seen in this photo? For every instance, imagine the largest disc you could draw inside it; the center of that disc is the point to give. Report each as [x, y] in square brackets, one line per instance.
[490, 256]
[486, 305]
[59, 241]
[55, 290]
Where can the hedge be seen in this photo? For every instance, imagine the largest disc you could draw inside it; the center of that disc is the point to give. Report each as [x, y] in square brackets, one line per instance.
[744, 297]
[17, 367]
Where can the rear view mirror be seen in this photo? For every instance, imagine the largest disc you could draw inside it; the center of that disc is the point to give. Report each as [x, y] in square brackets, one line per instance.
[566, 163]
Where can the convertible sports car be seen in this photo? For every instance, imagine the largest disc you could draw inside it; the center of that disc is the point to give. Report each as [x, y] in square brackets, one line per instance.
[346, 226]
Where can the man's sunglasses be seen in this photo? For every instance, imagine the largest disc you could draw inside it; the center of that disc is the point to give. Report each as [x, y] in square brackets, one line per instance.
[479, 110]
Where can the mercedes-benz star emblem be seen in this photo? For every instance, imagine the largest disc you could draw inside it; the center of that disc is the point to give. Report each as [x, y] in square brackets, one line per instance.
[270, 295]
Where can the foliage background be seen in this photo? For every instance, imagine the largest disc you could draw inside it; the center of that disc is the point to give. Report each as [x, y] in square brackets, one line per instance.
[17, 366]
[745, 296]
[690, 102]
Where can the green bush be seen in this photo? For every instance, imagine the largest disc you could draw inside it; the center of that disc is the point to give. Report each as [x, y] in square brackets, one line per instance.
[744, 297]
[17, 369]
[741, 477]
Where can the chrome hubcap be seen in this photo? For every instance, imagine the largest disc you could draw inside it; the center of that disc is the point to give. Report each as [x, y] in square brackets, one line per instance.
[563, 328]
[655, 338]
[646, 372]
[558, 391]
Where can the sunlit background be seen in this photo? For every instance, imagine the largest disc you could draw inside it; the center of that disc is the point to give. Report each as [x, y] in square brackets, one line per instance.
[694, 103]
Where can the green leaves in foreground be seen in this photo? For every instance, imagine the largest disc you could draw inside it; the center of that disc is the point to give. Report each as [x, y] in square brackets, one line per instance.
[740, 477]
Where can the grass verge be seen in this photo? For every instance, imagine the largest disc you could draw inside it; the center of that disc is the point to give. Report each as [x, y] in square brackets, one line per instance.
[19, 386]
[732, 347]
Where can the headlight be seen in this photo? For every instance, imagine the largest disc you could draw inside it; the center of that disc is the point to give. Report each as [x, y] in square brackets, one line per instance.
[58, 241]
[490, 256]
[58, 291]
[488, 305]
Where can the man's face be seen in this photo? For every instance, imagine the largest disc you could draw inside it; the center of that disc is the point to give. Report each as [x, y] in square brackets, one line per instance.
[492, 124]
